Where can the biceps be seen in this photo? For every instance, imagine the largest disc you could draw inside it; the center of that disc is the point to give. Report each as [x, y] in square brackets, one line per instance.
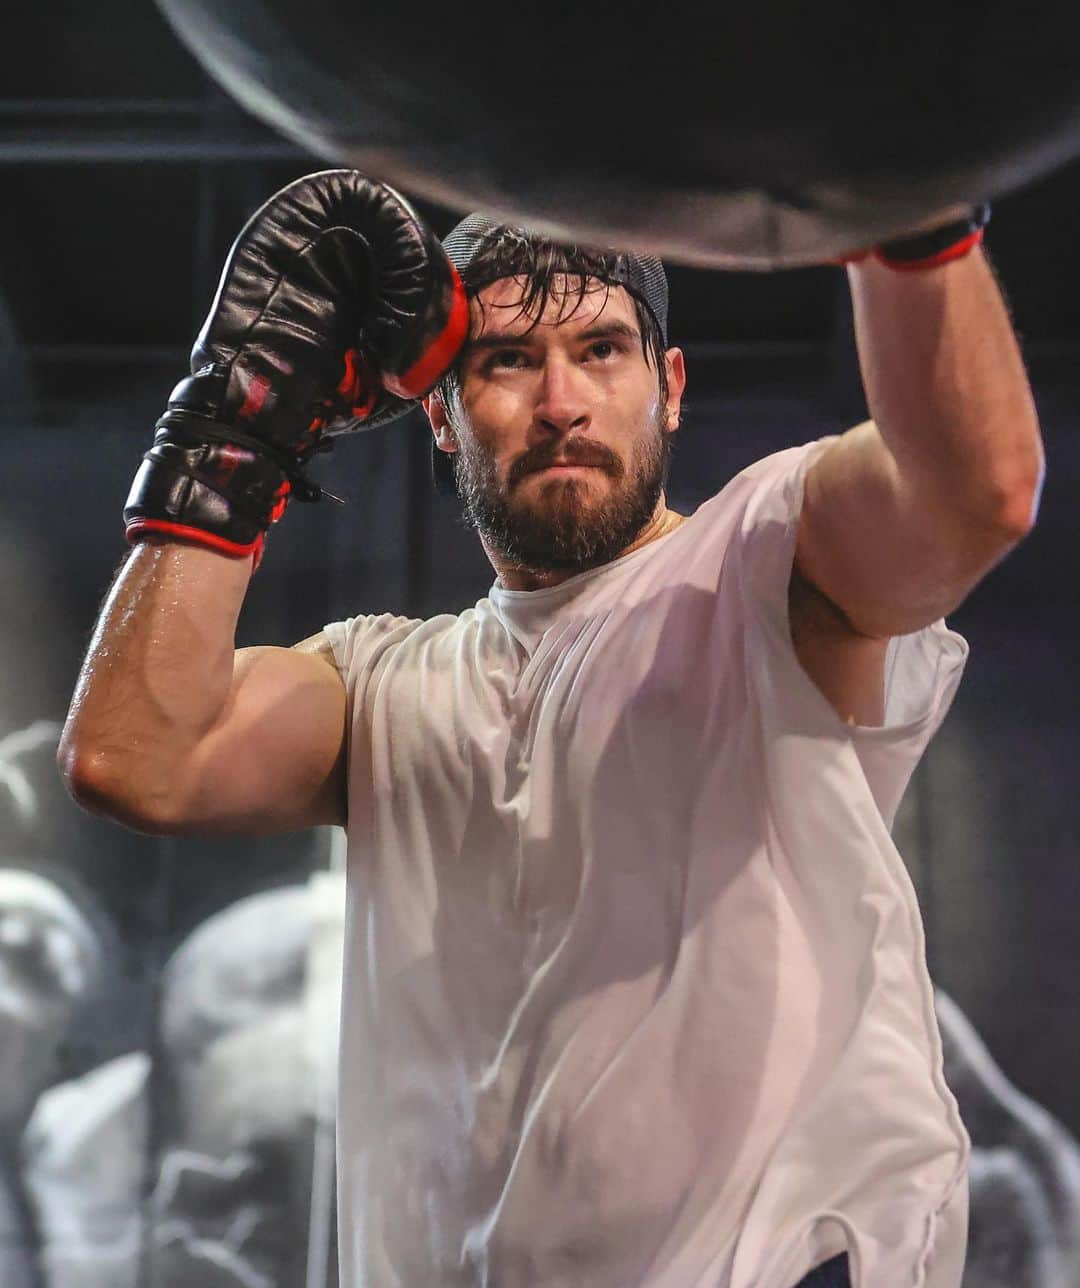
[275, 761]
[891, 559]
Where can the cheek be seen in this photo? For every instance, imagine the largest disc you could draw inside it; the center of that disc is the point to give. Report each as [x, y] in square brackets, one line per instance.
[632, 394]
[637, 421]
[497, 428]
[648, 399]
[496, 409]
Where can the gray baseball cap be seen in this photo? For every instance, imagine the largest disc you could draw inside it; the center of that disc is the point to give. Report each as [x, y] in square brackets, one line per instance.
[642, 275]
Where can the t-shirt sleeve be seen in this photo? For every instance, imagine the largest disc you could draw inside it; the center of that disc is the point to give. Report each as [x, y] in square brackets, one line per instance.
[363, 646]
[361, 643]
[922, 670]
[345, 638]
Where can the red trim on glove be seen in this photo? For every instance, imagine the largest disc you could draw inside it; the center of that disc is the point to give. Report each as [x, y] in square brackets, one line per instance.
[359, 386]
[957, 251]
[282, 495]
[141, 527]
[350, 384]
[439, 354]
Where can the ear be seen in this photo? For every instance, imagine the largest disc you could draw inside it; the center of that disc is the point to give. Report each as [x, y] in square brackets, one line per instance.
[676, 379]
[441, 426]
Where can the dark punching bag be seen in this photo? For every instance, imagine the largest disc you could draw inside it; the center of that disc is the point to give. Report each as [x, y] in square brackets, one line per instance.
[769, 134]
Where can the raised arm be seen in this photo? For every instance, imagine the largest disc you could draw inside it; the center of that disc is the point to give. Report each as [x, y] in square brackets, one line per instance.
[170, 728]
[904, 514]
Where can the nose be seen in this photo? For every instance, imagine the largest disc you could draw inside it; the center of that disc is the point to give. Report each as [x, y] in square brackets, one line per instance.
[562, 403]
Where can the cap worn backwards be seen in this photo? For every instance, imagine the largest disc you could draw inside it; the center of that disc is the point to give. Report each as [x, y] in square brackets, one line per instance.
[642, 275]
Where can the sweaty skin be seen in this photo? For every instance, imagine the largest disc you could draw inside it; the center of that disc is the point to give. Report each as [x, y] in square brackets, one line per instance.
[902, 516]
[573, 385]
[533, 387]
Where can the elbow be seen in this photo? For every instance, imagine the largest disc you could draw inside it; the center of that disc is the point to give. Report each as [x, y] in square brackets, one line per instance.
[1007, 505]
[101, 788]
[1017, 506]
[81, 772]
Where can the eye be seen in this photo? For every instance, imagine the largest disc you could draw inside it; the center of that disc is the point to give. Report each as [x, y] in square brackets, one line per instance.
[604, 349]
[506, 359]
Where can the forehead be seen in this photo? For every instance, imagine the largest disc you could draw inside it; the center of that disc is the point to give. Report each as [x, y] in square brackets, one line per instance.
[500, 306]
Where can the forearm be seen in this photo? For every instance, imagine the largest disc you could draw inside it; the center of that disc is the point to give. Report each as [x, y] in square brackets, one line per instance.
[156, 677]
[946, 386]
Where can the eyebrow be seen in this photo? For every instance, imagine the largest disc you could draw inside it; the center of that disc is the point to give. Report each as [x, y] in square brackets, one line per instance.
[518, 339]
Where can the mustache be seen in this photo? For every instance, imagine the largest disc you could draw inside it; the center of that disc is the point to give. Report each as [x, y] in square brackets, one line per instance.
[575, 451]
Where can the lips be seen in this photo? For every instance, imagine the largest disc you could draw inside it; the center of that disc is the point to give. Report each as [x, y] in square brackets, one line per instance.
[567, 467]
[536, 462]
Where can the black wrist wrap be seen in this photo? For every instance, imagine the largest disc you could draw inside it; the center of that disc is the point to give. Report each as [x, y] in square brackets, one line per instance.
[938, 246]
[207, 482]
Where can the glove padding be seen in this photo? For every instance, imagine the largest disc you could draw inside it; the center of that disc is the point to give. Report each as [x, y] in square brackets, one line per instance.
[337, 308]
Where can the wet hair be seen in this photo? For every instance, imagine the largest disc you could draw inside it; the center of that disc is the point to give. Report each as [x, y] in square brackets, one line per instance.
[546, 266]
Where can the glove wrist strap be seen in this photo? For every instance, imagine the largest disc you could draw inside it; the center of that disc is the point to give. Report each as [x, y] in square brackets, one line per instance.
[938, 246]
[197, 483]
[197, 429]
[929, 249]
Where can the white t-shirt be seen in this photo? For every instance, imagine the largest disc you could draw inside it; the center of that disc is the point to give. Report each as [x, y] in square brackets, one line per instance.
[635, 988]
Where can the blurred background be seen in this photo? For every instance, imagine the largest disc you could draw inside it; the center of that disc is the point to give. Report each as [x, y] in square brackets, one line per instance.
[168, 1007]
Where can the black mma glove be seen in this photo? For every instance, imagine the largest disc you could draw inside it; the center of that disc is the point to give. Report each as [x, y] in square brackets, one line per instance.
[336, 309]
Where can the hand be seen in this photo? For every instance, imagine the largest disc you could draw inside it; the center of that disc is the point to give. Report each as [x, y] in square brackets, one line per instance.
[336, 308]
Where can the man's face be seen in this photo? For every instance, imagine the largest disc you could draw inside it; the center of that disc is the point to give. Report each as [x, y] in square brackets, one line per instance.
[561, 437]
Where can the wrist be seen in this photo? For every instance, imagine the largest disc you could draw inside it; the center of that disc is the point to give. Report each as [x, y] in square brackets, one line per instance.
[217, 494]
[932, 244]
[162, 532]
[935, 246]
[191, 553]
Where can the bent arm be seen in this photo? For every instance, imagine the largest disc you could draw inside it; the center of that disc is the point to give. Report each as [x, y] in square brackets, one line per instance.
[904, 514]
[172, 730]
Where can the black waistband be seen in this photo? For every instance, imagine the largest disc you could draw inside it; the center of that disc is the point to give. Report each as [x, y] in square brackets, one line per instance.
[833, 1273]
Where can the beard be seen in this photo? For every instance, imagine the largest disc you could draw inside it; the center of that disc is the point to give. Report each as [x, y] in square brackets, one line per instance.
[561, 527]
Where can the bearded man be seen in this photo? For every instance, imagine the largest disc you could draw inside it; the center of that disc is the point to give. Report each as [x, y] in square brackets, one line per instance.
[635, 983]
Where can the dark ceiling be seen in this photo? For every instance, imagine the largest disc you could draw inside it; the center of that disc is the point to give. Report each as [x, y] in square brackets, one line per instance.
[127, 173]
